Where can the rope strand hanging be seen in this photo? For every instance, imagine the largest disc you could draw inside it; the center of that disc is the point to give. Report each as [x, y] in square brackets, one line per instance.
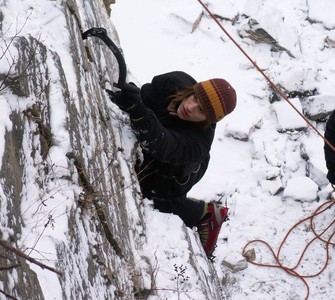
[327, 242]
[279, 91]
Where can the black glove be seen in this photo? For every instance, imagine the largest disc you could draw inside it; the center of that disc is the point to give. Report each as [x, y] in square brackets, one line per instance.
[129, 100]
[114, 96]
[130, 87]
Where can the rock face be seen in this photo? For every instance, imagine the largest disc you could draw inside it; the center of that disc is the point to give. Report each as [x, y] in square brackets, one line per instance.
[62, 145]
[73, 223]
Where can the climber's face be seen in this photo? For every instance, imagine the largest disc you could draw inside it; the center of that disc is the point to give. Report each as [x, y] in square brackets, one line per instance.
[191, 110]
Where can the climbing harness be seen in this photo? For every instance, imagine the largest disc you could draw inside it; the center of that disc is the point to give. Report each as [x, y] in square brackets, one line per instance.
[279, 91]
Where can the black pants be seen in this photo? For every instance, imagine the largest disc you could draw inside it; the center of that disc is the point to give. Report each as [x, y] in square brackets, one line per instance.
[163, 190]
[188, 209]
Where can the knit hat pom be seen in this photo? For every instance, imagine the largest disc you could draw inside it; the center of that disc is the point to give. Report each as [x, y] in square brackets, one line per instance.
[217, 98]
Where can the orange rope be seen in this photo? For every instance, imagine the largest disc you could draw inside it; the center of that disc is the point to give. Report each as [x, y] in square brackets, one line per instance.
[292, 270]
[317, 236]
[279, 91]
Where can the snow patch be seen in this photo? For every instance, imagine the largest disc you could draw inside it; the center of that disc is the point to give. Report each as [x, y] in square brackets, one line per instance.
[301, 189]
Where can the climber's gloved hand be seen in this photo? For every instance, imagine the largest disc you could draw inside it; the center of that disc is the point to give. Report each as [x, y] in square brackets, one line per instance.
[130, 87]
[129, 100]
[127, 97]
[114, 96]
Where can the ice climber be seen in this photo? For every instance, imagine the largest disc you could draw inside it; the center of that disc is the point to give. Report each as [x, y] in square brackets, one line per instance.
[174, 119]
[329, 153]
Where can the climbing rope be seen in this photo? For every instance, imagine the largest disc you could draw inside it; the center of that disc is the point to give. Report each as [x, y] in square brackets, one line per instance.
[325, 207]
[320, 210]
[278, 90]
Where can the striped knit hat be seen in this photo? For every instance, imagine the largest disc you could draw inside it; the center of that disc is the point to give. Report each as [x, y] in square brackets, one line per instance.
[217, 98]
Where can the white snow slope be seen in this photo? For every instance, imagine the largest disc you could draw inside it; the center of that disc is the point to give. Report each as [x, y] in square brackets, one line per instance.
[258, 160]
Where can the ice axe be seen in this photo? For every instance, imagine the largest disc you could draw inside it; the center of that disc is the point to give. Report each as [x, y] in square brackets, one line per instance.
[101, 33]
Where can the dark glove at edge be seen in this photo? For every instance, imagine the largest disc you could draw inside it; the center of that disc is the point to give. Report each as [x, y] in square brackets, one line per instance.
[113, 95]
[124, 100]
[129, 100]
[130, 87]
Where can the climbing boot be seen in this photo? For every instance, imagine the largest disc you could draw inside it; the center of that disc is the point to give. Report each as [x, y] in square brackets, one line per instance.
[210, 225]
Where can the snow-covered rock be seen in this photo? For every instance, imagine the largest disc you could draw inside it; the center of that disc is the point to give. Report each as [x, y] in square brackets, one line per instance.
[317, 108]
[246, 119]
[301, 189]
[62, 195]
[312, 150]
[288, 119]
[234, 263]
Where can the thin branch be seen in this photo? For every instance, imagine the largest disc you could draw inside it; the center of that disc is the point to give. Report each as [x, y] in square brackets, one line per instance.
[8, 295]
[27, 257]
[9, 267]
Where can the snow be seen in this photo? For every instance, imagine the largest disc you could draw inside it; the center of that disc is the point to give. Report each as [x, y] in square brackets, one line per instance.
[318, 9]
[266, 164]
[256, 159]
[289, 119]
[301, 188]
[5, 124]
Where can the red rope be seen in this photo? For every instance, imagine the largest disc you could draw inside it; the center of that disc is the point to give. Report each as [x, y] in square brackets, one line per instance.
[317, 236]
[279, 91]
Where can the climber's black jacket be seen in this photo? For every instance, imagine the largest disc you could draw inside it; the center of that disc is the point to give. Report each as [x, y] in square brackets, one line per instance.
[329, 153]
[175, 152]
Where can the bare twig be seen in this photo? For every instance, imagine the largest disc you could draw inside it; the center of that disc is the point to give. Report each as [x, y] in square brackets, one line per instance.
[6, 268]
[197, 22]
[27, 257]
[8, 295]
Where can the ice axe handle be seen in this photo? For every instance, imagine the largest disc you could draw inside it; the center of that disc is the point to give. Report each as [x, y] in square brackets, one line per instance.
[101, 33]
